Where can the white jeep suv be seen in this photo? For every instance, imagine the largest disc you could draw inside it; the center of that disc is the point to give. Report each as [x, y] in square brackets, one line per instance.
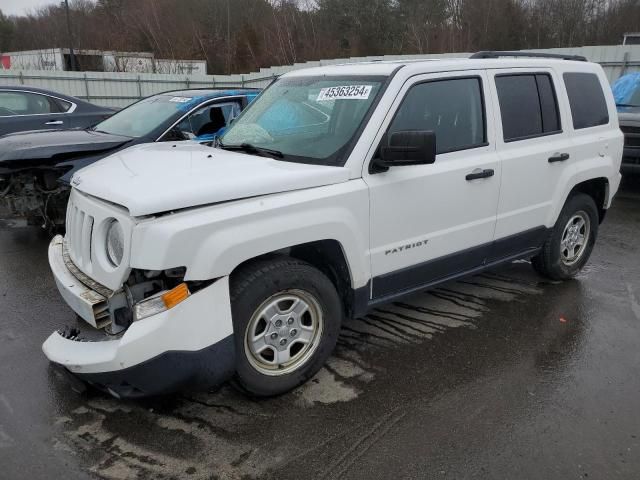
[338, 189]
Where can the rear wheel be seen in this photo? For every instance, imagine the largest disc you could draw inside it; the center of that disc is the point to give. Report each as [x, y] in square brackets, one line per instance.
[286, 317]
[568, 247]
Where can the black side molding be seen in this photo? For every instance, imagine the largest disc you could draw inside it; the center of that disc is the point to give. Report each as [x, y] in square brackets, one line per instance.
[388, 286]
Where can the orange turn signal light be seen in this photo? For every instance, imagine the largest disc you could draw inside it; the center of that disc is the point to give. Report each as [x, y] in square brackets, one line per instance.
[175, 295]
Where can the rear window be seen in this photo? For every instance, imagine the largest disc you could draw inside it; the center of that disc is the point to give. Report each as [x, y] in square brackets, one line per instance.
[528, 106]
[588, 105]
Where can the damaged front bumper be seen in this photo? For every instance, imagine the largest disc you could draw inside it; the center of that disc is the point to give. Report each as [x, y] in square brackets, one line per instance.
[85, 297]
[189, 345]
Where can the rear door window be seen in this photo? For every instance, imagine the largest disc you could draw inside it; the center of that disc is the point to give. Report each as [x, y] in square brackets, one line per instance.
[528, 106]
[588, 105]
[548, 104]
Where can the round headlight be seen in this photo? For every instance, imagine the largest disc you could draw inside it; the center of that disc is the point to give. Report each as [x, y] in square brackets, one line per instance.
[115, 243]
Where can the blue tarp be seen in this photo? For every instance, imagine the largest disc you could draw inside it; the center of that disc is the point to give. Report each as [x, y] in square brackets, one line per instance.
[625, 87]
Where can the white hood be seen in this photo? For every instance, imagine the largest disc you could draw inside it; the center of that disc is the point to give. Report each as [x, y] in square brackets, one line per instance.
[154, 178]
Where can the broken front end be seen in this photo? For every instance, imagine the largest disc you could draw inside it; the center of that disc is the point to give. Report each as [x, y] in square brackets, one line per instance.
[33, 196]
[36, 168]
[138, 332]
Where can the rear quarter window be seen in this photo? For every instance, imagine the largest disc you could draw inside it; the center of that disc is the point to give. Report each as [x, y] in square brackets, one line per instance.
[59, 105]
[588, 105]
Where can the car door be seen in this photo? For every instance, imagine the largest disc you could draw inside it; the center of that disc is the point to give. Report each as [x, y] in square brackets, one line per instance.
[430, 222]
[536, 155]
[21, 111]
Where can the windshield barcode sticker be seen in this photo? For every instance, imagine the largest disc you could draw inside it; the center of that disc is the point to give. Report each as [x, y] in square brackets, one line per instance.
[180, 99]
[347, 92]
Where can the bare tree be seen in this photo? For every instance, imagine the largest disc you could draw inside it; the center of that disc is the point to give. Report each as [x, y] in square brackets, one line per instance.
[244, 35]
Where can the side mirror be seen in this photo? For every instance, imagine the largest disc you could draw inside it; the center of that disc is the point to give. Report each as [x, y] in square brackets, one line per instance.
[409, 147]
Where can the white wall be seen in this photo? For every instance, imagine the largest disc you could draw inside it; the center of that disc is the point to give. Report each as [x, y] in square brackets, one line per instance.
[127, 63]
[182, 67]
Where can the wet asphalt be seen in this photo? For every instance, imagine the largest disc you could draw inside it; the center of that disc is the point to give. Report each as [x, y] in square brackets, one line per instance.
[498, 376]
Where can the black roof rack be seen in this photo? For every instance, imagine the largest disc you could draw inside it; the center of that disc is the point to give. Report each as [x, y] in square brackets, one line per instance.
[497, 54]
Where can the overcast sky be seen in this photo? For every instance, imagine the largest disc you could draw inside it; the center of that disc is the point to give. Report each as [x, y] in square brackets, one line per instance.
[20, 7]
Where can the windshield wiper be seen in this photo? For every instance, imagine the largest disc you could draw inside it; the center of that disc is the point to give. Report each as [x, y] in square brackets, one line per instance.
[247, 147]
[626, 105]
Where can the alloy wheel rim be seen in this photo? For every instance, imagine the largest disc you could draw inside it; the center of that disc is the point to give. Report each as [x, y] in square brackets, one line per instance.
[575, 238]
[284, 332]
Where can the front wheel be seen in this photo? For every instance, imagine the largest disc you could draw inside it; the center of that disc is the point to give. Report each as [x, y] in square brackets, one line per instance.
[286, 317]
[568, 247]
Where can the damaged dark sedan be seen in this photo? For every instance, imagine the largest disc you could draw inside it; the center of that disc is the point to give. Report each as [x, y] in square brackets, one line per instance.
[36, 167]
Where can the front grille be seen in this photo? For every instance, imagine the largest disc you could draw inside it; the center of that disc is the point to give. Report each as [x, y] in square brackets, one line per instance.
[631, 136]
[78, 236]
[87, 218]
[84, 279]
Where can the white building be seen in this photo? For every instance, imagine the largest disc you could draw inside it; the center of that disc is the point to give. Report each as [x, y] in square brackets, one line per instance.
[631, 39]
[59, 59]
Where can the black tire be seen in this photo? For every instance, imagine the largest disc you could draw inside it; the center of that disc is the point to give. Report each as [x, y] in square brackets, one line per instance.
[256, 283]
[549, 262]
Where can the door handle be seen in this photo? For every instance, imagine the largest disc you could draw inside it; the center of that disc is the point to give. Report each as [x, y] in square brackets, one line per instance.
[54, 122]
[478, 173]
[559, 157]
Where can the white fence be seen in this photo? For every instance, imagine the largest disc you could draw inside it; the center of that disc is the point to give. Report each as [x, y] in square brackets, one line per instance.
[121, 89]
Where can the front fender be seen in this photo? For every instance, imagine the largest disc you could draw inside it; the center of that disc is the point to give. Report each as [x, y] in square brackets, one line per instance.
[212, 241]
